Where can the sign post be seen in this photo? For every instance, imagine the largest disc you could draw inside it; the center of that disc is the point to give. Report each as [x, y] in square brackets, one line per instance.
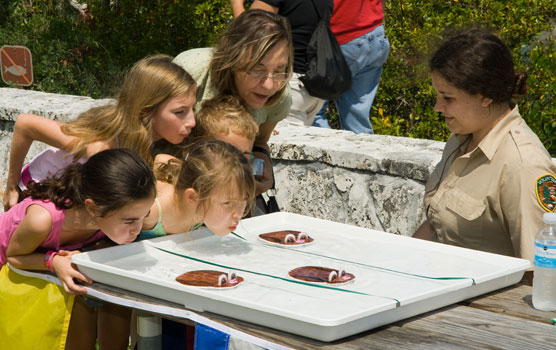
[16, 65]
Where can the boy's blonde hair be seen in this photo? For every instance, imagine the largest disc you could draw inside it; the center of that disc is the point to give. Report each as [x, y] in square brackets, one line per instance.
[222, 115]
[128, 123]
[208, 166]
[244, 44]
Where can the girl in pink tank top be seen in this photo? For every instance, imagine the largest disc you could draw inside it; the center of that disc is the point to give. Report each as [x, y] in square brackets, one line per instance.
[109, 195]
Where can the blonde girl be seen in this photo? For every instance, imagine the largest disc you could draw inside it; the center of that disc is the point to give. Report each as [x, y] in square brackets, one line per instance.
[210, 183]
[155, 102]
[109, 195]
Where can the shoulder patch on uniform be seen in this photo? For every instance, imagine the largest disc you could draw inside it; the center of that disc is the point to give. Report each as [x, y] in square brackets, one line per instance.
[545, 187]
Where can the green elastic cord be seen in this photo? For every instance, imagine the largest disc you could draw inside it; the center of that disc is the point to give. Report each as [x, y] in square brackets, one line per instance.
[272, 276]
[197, 226]
[369, 266]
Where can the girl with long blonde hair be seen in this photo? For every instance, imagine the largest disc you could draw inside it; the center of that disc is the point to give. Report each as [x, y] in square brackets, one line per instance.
[155, 102]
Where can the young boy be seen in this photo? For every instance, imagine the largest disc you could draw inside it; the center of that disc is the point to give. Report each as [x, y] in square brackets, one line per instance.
[227, 120]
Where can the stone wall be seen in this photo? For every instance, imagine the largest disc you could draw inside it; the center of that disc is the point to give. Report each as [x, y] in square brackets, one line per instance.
[53, 106]
[372, 181]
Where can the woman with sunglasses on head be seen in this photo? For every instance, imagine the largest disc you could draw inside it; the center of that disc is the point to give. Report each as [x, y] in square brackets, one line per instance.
[252, 61]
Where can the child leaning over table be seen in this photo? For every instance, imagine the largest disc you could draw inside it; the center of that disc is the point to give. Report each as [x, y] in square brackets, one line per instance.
[108, 196]
[225, 119]
[209, 182]
[155, 102]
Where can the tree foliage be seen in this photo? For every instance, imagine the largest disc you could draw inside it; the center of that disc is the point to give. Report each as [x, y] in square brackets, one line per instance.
[405, 100]
[86, 54]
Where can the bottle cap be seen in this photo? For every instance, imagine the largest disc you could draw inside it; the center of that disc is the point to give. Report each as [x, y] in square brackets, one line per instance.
[549, 218]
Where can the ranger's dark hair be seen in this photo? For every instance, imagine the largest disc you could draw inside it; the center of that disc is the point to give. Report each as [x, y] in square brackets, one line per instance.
[478, 62]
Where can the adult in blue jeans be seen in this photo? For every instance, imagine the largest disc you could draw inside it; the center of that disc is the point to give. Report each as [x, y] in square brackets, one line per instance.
[358, 27]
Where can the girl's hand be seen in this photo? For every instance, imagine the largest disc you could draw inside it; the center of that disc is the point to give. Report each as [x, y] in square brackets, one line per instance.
[67, 272]
[68, 253]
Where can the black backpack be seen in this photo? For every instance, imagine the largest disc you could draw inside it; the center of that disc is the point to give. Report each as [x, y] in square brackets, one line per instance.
[328, 75]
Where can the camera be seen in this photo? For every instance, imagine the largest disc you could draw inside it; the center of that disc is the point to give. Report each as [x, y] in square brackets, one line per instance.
[257, 164]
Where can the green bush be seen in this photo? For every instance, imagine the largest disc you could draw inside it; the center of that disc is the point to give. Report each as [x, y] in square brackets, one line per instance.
[64, 55]
[86, 55]
[405, 99]
[539, 106]
[80, 55]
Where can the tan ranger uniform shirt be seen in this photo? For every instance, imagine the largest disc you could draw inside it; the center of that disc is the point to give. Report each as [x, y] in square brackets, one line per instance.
[493, 198]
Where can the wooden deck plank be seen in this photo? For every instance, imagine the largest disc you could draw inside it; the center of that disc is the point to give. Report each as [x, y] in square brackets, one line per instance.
[491, 330]
[514, 301]
[388, 337]
[503, 319]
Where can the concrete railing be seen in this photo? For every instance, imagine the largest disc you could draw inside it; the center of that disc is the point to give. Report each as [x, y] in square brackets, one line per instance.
[372, 181]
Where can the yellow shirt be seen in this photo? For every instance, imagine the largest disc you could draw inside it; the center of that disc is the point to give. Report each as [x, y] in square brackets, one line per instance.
[493, 198]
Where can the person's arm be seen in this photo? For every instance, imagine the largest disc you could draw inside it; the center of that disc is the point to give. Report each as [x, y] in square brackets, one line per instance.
[426, 232]
[238, 8]
[522, 210]
[29, 234]
[29, 128]
[265, 182]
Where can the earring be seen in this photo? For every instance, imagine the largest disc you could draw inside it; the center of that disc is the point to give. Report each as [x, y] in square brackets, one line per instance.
[484, 103]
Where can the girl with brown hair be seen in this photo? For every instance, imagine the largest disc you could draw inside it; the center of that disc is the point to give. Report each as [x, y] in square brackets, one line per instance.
[108, 196]
[484, 194]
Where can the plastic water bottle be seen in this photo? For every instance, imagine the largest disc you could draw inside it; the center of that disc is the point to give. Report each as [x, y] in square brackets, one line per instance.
[544, 281]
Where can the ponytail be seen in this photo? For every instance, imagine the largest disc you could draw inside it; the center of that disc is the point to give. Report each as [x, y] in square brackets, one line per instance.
[111, 178]
[63, 191]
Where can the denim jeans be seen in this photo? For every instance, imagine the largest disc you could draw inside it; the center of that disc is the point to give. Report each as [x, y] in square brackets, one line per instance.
[365, 56]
